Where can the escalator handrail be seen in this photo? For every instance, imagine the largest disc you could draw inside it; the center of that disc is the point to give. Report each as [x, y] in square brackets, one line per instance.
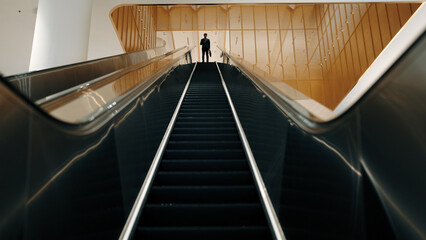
[105, 78]
[285, 104]
[272, 217]
[110, 102]
[132, 219]
[66, 76]
[101, 117]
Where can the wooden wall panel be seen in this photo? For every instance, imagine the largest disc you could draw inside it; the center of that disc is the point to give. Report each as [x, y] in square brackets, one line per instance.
[222, 18]
[375, 30]
[404, 12]
[201, 15]
[210, 18]
[163, 19]
[288, 55]
[272, 18]
[321, 50]
[234, 14]
[249, 52]
[393, 16]
[368, 40]
[384, 23]
[135, 26]
[414, 6]
[262, 50]
[297, 18]
[186, 19]
[235, 46]
[259, 16]
[284, 15]
[275, 62]
[247, 18]
[355, 34]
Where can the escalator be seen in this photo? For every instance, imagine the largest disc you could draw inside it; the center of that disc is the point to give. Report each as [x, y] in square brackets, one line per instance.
[203, 188]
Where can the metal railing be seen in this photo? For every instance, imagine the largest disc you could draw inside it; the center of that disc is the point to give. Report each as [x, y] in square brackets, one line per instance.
[287, 103]
[134, 215]
[39, 84]
[86, 102]
[260, 185]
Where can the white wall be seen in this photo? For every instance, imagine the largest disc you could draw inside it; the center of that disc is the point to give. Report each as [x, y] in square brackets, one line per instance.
[17, 30]
[103, 40]
[61, 34]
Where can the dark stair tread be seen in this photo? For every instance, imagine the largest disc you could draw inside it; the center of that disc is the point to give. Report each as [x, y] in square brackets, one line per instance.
[228, 214]
[203, 194]
[205, 114]
[204, 178]
[203, 153]
[204, 136]
[205, 233]
[203, 165]
[204, 124]
[204, 145]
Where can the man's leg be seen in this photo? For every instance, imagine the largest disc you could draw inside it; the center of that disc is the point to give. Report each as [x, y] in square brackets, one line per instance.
[203, 52]
[207, 54]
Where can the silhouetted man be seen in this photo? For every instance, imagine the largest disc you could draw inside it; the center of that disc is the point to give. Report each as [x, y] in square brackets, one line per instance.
[205, 43]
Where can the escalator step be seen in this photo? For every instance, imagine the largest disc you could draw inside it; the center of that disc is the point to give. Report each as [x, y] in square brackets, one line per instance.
[204, 145]
[204, 165]
[238, 214]
[206, 114]
[203, 154]
[205, 137]
[204, 110]
[204, 119]
[205, 102]
[205, 233]
[204, 178]
[203, 194]
[204, 124]
[205, 130]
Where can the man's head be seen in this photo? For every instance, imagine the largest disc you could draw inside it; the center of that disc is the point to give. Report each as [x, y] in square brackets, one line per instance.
[205, 35]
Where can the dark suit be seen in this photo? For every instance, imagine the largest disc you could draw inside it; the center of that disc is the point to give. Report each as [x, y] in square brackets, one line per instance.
[205, 43]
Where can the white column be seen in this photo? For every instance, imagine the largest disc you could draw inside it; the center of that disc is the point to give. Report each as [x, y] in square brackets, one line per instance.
[61, 33]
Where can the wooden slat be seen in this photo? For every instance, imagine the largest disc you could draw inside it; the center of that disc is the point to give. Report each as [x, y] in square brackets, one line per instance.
[393, 17]
[404, 12]
[375, 30]
[361, 48]
[368, 40]
[384, 24]
[414, 6]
